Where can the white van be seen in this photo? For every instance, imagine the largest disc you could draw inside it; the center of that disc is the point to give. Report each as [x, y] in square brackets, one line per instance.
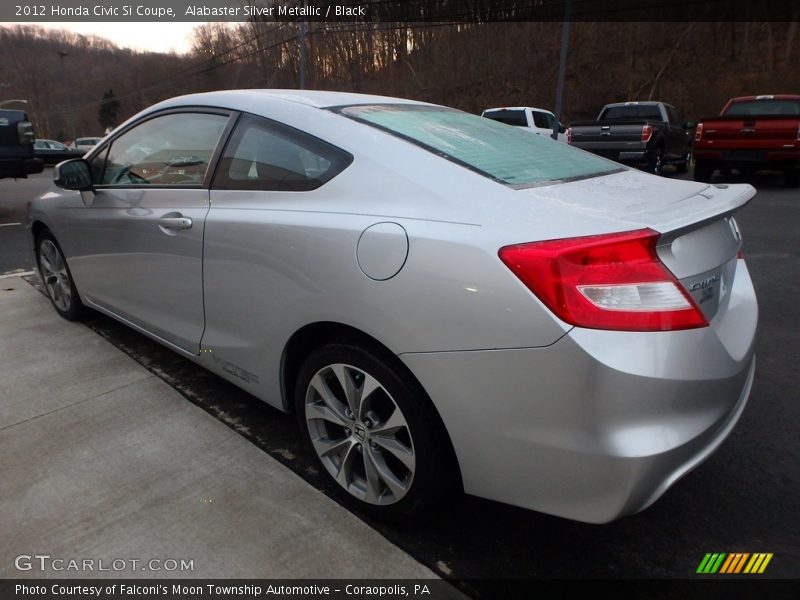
[535, 120]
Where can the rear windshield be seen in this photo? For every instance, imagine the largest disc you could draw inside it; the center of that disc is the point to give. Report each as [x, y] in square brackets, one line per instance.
[505, 154]
[509, 117]
[783, 108]
[635, 111]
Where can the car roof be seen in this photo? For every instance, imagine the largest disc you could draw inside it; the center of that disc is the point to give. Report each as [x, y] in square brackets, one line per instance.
[312, 98]
[636, 103]
[766, 97]
[517, 108]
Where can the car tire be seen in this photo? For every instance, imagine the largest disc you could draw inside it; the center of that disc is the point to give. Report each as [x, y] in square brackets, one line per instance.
[683, 166]
[57, 278]
[702, 171]
[387, 454]
[656, 164]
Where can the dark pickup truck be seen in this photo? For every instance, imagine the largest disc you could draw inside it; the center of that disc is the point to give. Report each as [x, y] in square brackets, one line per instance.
[751, 133]
[644, 134]
[16, 145]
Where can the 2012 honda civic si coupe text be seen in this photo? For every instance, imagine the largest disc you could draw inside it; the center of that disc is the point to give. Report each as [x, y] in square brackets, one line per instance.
[443, 301]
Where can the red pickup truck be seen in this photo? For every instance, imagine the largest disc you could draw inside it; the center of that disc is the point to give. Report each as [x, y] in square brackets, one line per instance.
[751, 133]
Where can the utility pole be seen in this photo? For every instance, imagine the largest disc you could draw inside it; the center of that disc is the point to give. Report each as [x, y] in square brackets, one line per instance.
[562, 66]
[302, 37]
[67, 115]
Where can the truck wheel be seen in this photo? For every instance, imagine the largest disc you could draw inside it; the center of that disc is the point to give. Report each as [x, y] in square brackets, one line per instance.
[702, 171]
[791, 178]
[683, 166]
[656, 164]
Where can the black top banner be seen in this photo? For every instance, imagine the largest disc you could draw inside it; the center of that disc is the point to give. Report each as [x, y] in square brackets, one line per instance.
[454, 11]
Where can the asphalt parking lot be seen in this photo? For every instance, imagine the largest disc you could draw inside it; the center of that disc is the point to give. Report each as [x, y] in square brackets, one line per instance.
[743, 499]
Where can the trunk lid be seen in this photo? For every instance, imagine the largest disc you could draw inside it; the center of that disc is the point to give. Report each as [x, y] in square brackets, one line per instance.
[699, 240]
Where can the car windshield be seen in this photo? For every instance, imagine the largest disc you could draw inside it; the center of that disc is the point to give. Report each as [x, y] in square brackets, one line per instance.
[783, 108]
[506, 154]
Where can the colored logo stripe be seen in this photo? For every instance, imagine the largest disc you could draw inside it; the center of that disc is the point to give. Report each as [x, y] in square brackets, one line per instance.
[711, 563]
[758, 563]
[733, 563]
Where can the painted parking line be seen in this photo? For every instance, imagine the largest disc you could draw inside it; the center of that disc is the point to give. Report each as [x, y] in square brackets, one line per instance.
[17, 274]
[9, 224]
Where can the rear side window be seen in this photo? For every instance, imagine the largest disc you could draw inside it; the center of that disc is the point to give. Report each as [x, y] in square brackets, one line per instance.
[265, 155]
[783, 108]
[509, 117]
[505, 154]
[633, 111]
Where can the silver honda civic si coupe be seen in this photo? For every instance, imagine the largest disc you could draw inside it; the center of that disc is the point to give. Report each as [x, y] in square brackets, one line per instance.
[445, 302]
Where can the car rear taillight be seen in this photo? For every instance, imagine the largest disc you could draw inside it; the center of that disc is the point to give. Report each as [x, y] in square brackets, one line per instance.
[614, 281]
[698, 133]
[647, 133]
[569, 135]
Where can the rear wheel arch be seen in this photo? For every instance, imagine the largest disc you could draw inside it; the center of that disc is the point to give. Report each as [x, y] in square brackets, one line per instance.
[315, 335]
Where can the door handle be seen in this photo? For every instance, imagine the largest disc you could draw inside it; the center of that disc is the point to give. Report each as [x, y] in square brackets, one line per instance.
[175, 222]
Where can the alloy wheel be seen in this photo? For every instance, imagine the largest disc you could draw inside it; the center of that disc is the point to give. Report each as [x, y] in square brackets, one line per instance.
[360, 434]
[54, 273]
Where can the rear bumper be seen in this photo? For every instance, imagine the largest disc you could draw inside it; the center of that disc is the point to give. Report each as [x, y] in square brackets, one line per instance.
[601, 423]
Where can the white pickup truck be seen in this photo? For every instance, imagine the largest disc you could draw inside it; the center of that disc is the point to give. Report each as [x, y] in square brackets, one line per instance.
[535, 120]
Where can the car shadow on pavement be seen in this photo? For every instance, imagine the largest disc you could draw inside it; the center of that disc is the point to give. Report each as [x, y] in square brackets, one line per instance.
[475, 542]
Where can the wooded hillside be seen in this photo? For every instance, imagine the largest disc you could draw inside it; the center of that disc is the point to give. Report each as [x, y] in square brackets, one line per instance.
[695, 66]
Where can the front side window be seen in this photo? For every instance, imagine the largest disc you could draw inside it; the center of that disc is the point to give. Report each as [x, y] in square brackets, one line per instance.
[506, 154]
[170, 150]
[269, 156]
[673, 116]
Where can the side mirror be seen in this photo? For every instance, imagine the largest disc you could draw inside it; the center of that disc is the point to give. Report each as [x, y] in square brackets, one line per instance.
[689, 125]
[561, 128]
[73, 174]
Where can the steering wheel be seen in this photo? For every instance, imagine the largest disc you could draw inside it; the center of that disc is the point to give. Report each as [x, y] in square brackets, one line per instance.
[133, 176]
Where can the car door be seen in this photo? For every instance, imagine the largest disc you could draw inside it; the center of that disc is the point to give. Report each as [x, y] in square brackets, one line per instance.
[138, 241]
[260, 239]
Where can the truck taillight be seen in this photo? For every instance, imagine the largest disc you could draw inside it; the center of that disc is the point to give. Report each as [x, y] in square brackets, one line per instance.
[569, 135]
[698, 134]
[612, 281]
[25, 133]
[647, 133]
